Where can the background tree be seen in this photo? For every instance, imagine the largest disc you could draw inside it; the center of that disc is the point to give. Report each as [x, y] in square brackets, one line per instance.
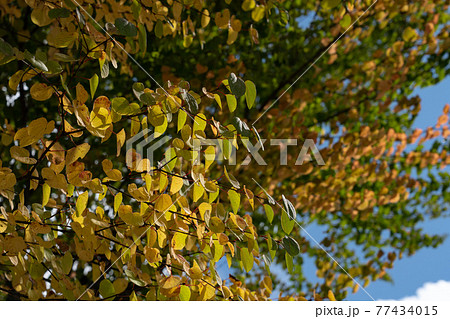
[81, 77]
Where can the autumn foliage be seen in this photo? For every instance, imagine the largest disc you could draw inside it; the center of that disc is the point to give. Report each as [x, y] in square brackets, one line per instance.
[83, 217]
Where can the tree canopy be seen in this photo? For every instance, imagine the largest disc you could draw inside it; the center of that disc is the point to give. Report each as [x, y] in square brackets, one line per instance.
[84, 216]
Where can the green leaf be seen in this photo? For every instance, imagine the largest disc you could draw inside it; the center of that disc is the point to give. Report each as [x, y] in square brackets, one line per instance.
[67, 262]
[289, 262]
[235, 200]
[136, 9]
[290, 209]
[241, 127]
[106, 288]
[267, 262]
[237, 85]
[182, 115]
[231, 101]
[142, 38]
[121, 106]
[125, 27]
[250, 93]
[37, 270]
[291, 246]
[346, 21]
[132, 277]
[170, 159]
[185, 293]
[36, 62]
[6, 48]
[70, 4]
[216, 225]
[286, 223]
[147, 98]
[93, 83]
[54, 67]
[247, 259]
[159, 29]
[330, 4]
[138, 89]
[269, 212]
[284, 17]
[191, 101]
[59, 13]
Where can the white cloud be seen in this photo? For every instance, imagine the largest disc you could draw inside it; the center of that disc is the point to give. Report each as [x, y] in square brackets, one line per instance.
[431, 291]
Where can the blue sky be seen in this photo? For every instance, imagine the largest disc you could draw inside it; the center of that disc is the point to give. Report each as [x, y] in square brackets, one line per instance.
[427, 272]
[428, 265]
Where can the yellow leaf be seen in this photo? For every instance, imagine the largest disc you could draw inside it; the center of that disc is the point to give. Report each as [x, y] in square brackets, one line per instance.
[178, 241]
[82, 203]
[113, 174]
[14, 245]
[210, 156]
[331, 296]
[248, 5]
[170, 282]
[117, 201]
[54, 180]
[203, 208]
[41, 92]
[195, 272]
[235, 200]
[163, 203]
[258, 13]
[185, 293]
[22, 155]
[7, 180]
[218, 100]
[200, 122]
[77, 152]
[100, 118]
[33, 132]
[120, 140]
[60, 38]
[207, 292]
[198, 191]
[152, 255]
[39, 15]
[205, 18]
[20, 76]
[177, 183]
[222, 19]
[130, 218]
[45, 194]
[82, 94]
[120, 284]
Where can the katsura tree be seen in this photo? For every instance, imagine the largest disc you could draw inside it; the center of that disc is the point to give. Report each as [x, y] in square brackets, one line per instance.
[88, 85]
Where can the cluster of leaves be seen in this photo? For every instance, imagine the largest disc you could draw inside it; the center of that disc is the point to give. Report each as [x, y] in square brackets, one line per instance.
[84, 218]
